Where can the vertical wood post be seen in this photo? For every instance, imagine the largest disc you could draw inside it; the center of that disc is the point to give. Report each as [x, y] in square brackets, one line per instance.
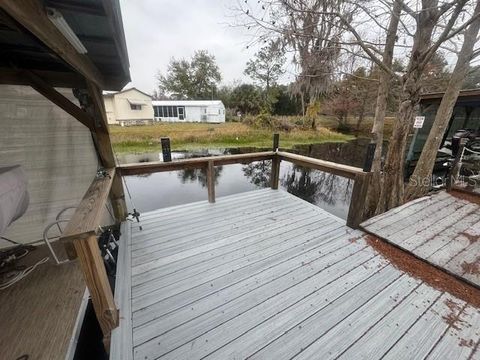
[275, 173]
[166, 151]
[96, 278]
[357, 203]
[211, 181]
[92, 102]
[276, 141]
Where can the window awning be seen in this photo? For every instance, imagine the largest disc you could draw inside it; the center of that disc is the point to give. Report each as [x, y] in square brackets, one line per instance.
[137, 102]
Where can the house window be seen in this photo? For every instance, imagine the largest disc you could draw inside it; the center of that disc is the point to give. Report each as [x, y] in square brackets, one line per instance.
[135, 107]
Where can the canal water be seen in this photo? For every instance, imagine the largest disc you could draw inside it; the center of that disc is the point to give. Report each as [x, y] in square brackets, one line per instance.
[330, 192]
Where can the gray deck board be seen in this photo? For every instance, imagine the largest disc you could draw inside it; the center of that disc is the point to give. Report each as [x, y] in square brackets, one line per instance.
[266, 275]
[443, 231]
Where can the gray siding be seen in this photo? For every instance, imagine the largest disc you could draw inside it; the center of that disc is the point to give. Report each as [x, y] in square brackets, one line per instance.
[55, 150]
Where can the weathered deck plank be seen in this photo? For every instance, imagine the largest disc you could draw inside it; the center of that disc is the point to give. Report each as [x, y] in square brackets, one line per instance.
[272, 278]
[445, 233]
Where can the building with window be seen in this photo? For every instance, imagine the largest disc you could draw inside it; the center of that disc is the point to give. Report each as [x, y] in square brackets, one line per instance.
[128, 107]
[211, 111]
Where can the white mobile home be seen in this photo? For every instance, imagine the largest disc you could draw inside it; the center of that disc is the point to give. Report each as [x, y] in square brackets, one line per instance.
[211, 111]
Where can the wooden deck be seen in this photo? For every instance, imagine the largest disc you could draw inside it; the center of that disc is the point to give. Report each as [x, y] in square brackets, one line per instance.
[41, 315]
[266, 275]
[442, 229]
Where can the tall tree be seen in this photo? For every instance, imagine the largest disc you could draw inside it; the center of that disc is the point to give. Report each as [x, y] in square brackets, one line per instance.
[424, 167]
[267, 65]
[385, 79]
[196, 78]
[427, 20]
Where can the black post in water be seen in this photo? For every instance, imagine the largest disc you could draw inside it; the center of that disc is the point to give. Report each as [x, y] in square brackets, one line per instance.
[367, 166]
[166, 151]
[276, 141]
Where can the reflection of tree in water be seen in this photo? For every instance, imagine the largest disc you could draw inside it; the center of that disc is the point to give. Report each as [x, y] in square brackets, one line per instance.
[198, 175]
[316, 186]
[258, 173]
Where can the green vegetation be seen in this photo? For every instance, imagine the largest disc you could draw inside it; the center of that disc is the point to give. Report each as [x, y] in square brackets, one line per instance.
[137, 139]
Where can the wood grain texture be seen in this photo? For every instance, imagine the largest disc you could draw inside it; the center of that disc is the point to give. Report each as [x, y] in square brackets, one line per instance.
[211, 181]
[95, 275]
[275, 173]
[37, 315]
[303, 285]
[440, 229]
[327, 166]
[196, 163]
[357, 203]
[87, 216]
[58, 99]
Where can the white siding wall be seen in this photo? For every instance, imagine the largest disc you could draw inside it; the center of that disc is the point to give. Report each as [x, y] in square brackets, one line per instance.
[119, 110]
[211, 114]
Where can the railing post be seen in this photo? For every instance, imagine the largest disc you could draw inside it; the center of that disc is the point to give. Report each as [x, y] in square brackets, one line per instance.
[356, 209]
[95, 275]
[276, 141]
[275, 174]
[211, 181]
[166, 151]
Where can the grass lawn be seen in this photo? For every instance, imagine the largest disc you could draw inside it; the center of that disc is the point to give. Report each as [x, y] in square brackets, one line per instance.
[187, 136]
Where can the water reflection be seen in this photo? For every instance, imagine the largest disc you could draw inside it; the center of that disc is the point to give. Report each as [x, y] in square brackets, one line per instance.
[328, 191]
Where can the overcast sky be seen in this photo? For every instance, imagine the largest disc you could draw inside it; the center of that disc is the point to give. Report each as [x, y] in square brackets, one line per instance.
[157, 30]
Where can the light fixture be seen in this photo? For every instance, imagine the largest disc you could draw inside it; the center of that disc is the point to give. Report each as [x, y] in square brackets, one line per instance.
[58, 20]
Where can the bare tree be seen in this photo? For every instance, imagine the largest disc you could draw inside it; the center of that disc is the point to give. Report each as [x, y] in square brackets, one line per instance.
[424, 167]
[431, 18]
[381, 107]
[340, 24]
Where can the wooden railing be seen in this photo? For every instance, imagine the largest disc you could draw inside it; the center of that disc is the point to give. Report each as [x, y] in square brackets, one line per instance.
[81, 231]
[361, 179]
[80, 239]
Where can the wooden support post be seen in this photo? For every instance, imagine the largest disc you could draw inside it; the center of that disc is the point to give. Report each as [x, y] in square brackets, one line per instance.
[276, 141]
[275, 175]
[92, 102]
[96, 278]
[357, 202]
[211, 181]
[166, 151]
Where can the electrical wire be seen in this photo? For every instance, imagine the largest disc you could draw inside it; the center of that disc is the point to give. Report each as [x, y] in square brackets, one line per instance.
[22, 274]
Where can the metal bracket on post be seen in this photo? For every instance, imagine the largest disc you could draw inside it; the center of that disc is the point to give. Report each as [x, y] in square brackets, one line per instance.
[166, 151]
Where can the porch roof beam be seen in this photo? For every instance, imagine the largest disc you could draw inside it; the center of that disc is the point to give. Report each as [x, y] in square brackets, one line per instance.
[32, 15]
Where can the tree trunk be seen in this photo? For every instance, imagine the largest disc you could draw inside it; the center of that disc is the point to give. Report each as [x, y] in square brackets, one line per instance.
[392, 187]
[380, 110]
[392, 180]
[418, 186]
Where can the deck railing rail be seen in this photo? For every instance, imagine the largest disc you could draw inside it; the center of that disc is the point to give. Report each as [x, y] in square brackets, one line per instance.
[80, 234]
[360, 177]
